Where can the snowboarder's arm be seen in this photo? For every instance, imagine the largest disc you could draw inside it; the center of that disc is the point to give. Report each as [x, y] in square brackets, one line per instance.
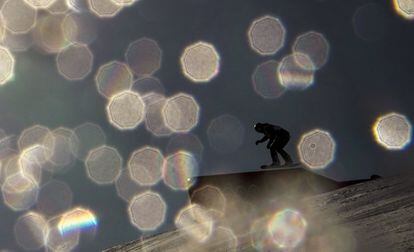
[262, 140]
[271, 141]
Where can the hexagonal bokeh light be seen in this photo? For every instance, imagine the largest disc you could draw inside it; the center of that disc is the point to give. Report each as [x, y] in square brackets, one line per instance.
[17, 42]
[404, 8]
[225, 134]
[104, 8]
[265, 81]
[179, 170]
[30, 231]
[287, 228]
[29, 163]
[315, 46]
[18, 16]
[33, 135]
[66, 146]
[317, 149]
[296, 71]
[48, 34]
[154, 118]
[148, 84]
[126, 110]
[59, 241]
[58, 7]
[90, 136]
[181, 113]
[80, 28]
[195, 222]
[75, 62]
[19, 192]
[147, 211]
[9, 167]
[7, 63]
[200, 62]
[54, 198]
[39, 141]
[210, 197]
[124, 2]
[225, 237]
[266, 35]
[393, 131]
[103, 165]
[369, 21]
[29, 171]
[186, 142]
[145, 165]
[144, 56]
[112, 78]
[126, 187]
[76, 220]
[40, 4]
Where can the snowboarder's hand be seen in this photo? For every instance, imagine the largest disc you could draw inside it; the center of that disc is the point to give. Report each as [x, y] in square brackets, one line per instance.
[257, 142]
[268, 146]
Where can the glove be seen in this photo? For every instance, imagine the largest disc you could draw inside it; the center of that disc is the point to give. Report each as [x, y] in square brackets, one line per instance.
[257, 142]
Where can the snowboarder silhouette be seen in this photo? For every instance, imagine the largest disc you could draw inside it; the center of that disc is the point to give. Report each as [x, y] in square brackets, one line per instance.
[278, 138]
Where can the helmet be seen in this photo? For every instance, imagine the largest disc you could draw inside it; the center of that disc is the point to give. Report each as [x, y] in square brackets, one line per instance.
[258, 127]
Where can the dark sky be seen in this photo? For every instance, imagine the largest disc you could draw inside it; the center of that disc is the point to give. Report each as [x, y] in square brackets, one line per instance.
[366, 76]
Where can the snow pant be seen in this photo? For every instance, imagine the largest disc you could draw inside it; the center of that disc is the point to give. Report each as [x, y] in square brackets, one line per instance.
[277, 147]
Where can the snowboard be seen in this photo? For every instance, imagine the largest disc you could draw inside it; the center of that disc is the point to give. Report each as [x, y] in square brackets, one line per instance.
[293, 165]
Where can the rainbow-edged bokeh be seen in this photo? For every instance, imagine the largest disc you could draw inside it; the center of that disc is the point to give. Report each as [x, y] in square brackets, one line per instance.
[76, 220]
[179, 170]
[287, 228]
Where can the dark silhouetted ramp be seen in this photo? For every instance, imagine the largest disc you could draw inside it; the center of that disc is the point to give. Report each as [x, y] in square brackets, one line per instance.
[375, 215]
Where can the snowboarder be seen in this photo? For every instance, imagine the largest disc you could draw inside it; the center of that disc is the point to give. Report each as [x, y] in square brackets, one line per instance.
[278, 138]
